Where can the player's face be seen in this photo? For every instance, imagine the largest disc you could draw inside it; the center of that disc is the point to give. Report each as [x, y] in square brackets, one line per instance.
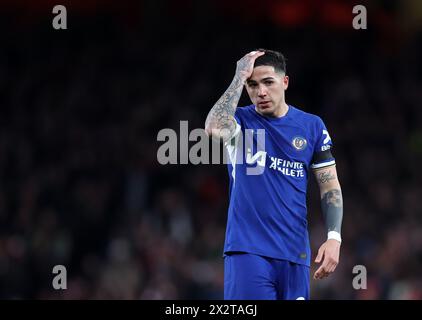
[266, 90]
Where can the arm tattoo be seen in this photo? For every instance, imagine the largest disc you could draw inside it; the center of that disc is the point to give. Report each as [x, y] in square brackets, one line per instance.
[221, 116]
[332, 209]
[325, 176]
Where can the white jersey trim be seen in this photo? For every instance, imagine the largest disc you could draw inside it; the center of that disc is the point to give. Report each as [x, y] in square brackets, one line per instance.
[232, 149]
[323, 164]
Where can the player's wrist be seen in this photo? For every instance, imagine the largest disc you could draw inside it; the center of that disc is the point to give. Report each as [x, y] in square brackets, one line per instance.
[334, 235]
[241, 77]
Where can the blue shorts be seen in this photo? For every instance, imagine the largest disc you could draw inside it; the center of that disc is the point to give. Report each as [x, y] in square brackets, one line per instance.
[252, 277]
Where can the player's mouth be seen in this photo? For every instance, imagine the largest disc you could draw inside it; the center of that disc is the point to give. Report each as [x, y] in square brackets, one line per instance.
[264, 104]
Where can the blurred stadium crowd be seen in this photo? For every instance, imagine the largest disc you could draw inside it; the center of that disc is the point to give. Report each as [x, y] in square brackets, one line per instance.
[80, 184]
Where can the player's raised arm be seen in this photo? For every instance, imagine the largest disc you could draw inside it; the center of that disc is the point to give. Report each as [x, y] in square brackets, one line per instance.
[220, 122]
[332, 210]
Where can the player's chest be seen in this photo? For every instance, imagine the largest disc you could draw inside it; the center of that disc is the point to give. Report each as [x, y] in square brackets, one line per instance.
[287, 143]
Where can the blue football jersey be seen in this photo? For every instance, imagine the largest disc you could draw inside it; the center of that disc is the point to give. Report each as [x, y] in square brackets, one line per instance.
[269, 165]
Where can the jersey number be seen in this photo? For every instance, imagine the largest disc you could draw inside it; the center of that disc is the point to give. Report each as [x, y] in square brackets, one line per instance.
[327, 138]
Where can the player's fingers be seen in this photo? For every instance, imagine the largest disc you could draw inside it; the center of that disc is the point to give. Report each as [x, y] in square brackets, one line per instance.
[330, 263]
[332, 267]
[327, 271]
[256, 55]
[256, 52]
[319, 273]
[325, 267]
[319, 255]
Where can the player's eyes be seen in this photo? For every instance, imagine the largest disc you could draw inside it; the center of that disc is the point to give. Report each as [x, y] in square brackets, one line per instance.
[252, 85]
[268, 83]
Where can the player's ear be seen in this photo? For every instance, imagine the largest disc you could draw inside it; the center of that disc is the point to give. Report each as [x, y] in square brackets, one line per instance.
[285, 82]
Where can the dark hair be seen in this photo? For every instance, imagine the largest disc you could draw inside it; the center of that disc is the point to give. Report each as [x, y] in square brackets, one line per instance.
[271, 58]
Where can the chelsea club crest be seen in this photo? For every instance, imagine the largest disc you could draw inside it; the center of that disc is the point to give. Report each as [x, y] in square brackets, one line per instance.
[299, 143]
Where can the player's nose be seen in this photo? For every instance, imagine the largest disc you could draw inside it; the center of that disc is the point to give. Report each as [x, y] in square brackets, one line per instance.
[262, 92]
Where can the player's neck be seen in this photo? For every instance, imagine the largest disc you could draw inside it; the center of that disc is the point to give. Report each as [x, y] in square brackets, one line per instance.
[282, 110]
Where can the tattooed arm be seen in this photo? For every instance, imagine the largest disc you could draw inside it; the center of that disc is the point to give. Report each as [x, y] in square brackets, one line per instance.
[332, 211]
[220, 122]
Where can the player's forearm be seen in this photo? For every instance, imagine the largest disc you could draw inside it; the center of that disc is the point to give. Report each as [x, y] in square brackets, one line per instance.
[331, 200]
[220, 121]
[332, 211]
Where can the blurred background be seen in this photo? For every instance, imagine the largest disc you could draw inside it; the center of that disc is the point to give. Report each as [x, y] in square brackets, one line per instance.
[80, 110]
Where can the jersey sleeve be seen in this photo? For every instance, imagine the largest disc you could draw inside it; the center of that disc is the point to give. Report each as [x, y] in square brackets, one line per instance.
[322, 156]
